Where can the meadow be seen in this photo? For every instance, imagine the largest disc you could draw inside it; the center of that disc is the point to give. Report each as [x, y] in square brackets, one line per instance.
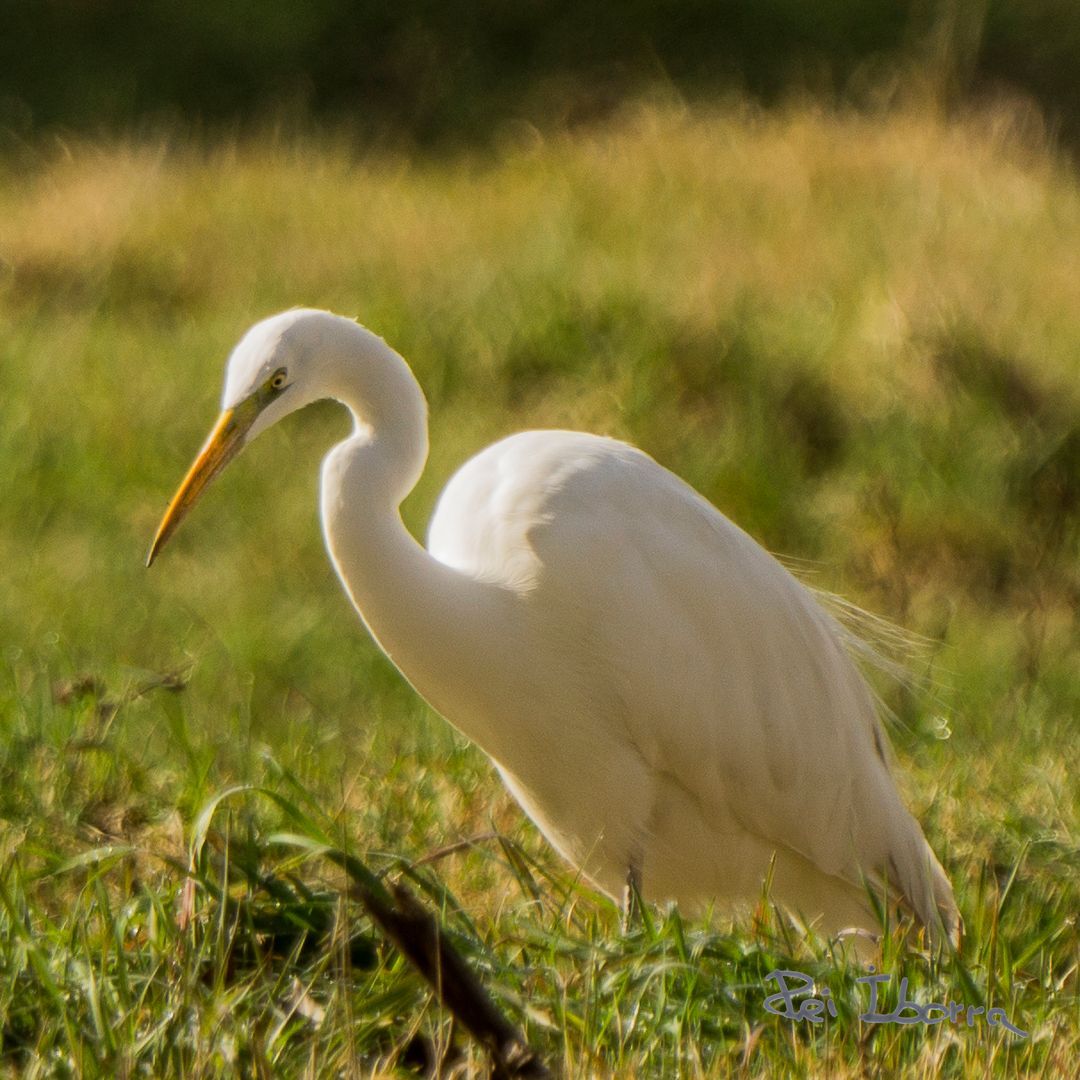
[857, 335]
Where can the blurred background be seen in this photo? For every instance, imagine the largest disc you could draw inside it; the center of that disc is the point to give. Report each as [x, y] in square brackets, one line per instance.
[436, 74]
[823, 261]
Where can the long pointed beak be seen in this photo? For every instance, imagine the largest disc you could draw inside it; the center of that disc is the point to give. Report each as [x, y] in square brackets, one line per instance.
[221, 447]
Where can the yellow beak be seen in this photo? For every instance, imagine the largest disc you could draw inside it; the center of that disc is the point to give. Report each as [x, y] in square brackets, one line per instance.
[221, 447]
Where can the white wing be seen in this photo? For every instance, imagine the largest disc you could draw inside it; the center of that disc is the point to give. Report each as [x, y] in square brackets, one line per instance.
[703, 674]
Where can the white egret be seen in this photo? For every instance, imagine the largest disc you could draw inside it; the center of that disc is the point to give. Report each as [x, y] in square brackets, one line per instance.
[668, 704]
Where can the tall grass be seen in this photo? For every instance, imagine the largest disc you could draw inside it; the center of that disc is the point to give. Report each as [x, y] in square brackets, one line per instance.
[857, 336]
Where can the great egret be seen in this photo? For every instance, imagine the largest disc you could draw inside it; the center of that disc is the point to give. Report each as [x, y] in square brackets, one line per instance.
[671, 707]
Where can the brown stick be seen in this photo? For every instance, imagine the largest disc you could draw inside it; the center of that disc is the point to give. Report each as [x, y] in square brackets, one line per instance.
[419, 937]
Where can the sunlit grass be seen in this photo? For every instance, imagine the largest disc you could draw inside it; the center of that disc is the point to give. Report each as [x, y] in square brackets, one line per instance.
[857, 336]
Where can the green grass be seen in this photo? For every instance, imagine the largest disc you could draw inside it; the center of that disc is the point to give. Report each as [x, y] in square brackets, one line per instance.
[858, 337]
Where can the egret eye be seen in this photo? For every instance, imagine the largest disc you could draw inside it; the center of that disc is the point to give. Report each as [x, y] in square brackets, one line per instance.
[277, 381]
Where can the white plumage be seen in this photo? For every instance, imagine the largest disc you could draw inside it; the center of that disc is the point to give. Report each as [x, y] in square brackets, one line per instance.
[661, 696]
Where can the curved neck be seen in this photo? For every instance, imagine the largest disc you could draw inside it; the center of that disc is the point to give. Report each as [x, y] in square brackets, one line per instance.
[388, 408]
[449, 634]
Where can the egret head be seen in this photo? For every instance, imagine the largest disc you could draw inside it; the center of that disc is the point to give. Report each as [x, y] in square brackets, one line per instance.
[278, 367]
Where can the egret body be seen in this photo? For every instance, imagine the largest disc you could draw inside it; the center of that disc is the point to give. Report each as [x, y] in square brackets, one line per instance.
[661, 696]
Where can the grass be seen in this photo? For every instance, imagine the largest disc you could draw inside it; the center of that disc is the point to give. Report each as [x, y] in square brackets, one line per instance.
[857, 336]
